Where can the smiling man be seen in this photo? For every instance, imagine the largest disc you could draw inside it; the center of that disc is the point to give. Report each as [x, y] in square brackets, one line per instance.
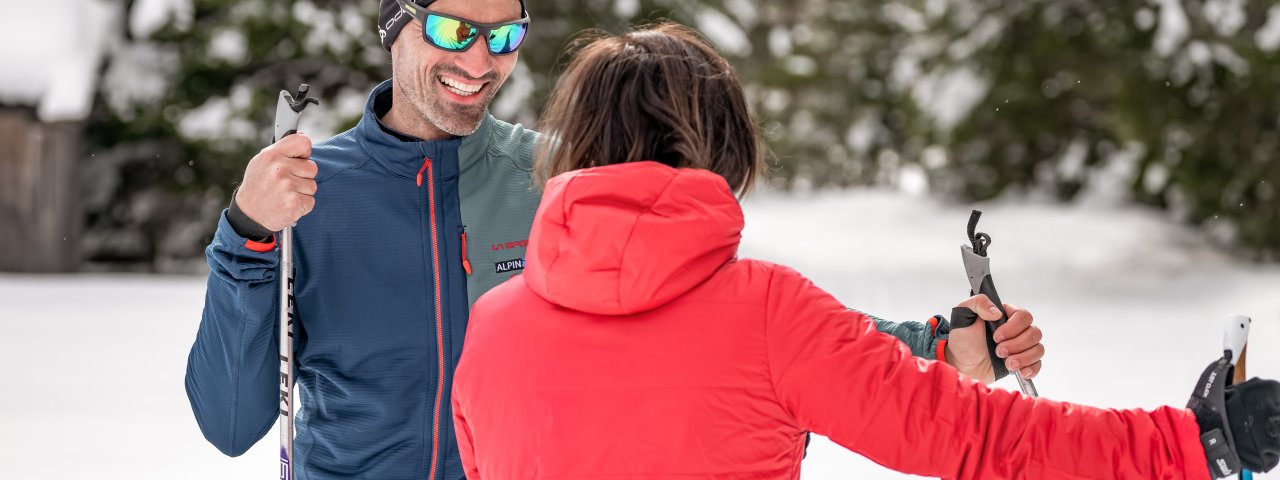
[401, 223]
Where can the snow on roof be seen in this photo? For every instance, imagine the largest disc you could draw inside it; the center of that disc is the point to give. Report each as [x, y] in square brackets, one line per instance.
[51, 52]
[147, 16]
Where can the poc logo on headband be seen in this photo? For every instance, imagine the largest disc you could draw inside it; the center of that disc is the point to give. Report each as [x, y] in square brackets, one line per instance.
[382, 32]
[395, 19]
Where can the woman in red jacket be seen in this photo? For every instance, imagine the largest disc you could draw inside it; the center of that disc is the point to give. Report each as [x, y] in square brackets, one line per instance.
[637, 345]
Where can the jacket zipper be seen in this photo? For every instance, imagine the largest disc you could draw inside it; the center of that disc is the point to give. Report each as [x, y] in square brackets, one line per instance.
[435, 262]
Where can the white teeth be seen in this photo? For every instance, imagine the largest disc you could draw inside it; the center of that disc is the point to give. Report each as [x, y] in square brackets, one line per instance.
[460, 88]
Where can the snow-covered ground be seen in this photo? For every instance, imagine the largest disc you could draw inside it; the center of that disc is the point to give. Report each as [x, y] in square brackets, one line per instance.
[1131, 305]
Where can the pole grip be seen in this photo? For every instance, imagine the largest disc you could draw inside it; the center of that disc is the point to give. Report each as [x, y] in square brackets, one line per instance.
[988, 288]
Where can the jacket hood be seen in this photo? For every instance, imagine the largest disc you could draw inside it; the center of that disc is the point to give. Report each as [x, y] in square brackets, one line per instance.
[631, 237]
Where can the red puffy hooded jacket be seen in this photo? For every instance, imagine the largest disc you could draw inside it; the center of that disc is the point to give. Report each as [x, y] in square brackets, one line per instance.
[635, 345]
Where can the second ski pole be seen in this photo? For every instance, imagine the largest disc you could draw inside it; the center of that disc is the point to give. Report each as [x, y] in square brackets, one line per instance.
[978, 267]
[1235, 344]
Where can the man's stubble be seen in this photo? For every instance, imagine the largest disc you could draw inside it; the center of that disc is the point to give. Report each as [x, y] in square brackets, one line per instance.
[433, 107]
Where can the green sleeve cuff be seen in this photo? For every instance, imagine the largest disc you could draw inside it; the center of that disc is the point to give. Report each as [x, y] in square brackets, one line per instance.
[923, 338]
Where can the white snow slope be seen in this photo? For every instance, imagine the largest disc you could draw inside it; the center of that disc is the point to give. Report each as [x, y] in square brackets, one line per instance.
[91, 367]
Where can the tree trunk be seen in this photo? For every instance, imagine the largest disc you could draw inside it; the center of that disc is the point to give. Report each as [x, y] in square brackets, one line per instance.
[40, 215]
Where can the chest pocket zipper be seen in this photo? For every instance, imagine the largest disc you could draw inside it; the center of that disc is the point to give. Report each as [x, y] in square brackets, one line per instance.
[466, 262]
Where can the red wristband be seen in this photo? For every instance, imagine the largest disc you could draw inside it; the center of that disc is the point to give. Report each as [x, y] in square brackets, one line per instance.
[261, 247]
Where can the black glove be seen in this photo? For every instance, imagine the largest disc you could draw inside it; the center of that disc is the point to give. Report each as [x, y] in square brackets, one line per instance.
[1253, 409]
[1239, 424]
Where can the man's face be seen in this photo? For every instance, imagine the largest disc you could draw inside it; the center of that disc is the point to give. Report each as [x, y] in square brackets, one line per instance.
[441, 86]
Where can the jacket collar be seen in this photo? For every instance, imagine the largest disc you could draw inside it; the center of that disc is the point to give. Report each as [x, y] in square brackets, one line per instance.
[404, 158]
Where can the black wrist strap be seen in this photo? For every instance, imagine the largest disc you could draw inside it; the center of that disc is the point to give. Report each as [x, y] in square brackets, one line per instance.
[245, 226]
[962, 317]
[1223, 462]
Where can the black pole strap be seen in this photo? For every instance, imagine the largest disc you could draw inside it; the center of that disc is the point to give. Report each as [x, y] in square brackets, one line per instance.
[979, 240]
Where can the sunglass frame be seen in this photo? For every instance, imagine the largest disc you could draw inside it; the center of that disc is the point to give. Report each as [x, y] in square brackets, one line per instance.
[482, 29]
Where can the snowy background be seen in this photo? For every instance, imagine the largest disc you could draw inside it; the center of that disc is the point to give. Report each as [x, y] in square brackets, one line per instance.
[1132, 300]
[1132, 307]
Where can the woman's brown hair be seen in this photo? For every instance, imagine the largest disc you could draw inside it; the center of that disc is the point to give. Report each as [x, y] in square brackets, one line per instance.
[659, 93]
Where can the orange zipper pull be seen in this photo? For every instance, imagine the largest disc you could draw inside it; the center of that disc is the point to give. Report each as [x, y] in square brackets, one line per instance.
[466, 264]
[425, 163]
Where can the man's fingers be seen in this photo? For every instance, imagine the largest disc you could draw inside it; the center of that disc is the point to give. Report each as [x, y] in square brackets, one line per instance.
[1025, 359]
[299, 205]
[1031, 371]
[290, 169]
[308, 204]
[983, 306]
[1019, 321]
[305, 168]
[1021, 343]
[297, 145]
[304, 186]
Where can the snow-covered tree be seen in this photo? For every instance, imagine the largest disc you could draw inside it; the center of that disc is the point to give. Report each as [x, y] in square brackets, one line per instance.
[1167, 102]
[187, 100]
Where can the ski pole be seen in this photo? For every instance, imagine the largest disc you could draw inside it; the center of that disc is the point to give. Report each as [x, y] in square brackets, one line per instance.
[978, 266]
[288, 114]
[1235, 342]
